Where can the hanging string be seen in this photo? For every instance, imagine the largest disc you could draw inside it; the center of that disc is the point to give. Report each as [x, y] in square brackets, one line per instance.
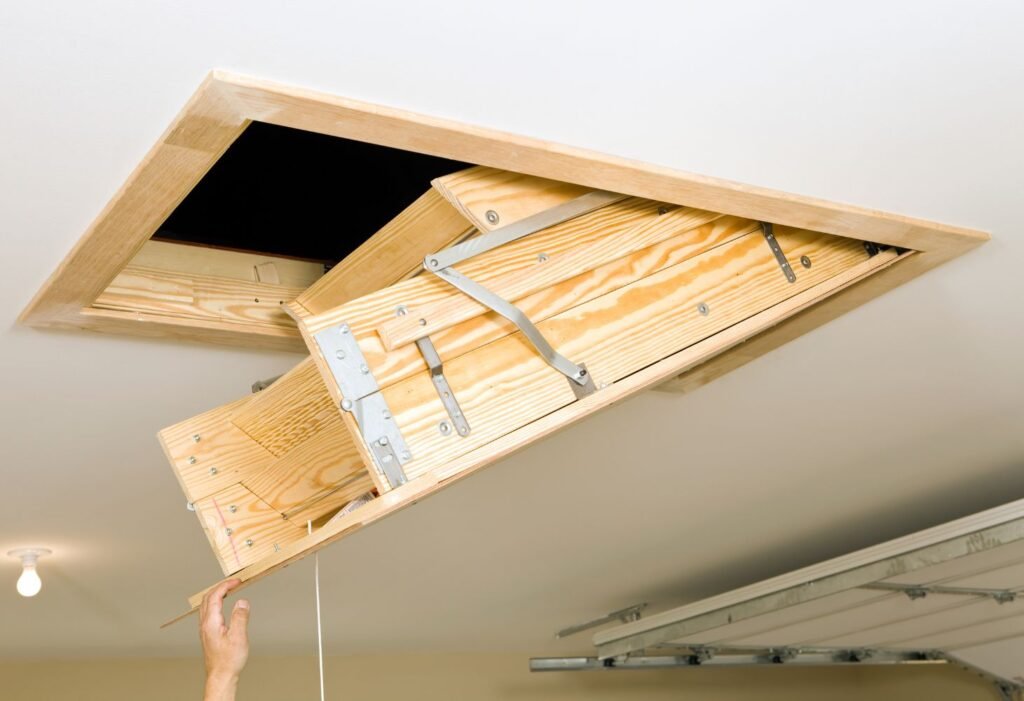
[319, 626]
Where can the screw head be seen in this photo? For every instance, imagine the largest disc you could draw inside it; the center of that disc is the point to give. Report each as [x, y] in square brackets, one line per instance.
[401, 310]
[386, 414]
[433, 263]
[423, 322]
[228, 531]
[386, 459]
[340, 355]
[213, 471]
[703, 309]
[364, 369]
[248, 541]
[662, 210]
[542, 258]
[406, 455]
[346, 404]
[344, 329]
[195, 438]
[492, 216]
[445, 428]
[191, 459]
[805, 261]
[382, 440]
[232, 508]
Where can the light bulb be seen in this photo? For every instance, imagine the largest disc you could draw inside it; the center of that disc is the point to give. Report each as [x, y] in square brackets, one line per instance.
[29, 582]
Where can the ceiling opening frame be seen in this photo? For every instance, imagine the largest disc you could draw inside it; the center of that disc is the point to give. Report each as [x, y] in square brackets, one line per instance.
[226, 103]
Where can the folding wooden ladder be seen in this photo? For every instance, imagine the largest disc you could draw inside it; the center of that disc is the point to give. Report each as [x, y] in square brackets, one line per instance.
[518, 306]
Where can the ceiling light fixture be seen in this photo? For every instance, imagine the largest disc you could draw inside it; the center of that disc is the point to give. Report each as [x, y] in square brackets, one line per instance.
[29, 582]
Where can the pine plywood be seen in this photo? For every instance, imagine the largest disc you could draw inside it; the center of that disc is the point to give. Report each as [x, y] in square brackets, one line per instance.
[209, 453]
[505, 384]
[242, 528]
[510, 196]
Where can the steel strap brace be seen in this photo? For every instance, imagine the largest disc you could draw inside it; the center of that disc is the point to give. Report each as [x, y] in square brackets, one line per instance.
[780, 257]
[441, 265]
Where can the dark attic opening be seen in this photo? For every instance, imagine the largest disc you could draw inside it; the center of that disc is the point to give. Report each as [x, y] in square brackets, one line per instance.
[292, 193]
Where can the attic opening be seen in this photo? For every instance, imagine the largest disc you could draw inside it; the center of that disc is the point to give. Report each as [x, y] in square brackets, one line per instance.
[299, 194]
[278, 209]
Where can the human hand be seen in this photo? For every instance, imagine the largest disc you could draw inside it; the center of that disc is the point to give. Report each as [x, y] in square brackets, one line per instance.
[225, 646]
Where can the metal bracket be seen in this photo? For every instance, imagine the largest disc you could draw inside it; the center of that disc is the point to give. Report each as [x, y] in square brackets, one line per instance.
[444, 390]
[260, 385]
[441, 263]
[780, 257]
[626, 615]
[362, 397]
[920, 591]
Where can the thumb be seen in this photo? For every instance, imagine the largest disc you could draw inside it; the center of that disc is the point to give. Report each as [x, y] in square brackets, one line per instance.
[240, 617]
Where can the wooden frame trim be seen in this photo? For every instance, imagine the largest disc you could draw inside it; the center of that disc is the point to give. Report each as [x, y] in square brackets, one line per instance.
[225, 104]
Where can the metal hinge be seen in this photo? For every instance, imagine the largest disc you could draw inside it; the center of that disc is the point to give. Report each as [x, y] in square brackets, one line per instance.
[363, 398]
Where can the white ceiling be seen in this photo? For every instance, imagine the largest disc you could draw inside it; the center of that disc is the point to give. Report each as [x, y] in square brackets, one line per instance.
[902, 414]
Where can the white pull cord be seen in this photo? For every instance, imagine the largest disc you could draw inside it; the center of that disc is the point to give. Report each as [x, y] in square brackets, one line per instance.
[319, 626]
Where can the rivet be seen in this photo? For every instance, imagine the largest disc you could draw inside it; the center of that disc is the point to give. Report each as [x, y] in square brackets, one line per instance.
[364, 369]
[228, 531]
[805, 261]
[191, 459]
[492, 216]
[703, 308]
[248, 541]
[346, 404]
[232, 508]
[445, 428]
[340, 355]
[401, 310]
[542, 258]
[195, 438]
[213, 471]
